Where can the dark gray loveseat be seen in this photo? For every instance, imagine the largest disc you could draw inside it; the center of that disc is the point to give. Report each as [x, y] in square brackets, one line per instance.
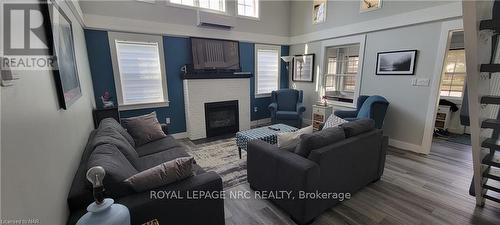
[341, 167]
[110, 147]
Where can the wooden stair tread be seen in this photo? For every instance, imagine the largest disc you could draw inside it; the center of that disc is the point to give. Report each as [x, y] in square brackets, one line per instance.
[490, 99]
[491, 160]
[491, 143]
[493, 24]
[490, 68]
[491, 198]
[491, 123]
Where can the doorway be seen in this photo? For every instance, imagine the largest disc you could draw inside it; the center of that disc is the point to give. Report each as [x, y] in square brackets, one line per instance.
[447, 124]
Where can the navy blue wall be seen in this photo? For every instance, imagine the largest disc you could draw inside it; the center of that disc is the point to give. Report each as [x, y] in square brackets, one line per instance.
[177, 54]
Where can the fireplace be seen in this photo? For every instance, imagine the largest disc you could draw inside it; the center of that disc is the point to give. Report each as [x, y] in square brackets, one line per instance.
[221, 118]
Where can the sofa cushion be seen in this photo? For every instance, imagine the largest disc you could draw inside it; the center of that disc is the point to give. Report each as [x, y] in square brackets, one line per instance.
[159, 145]
[117, 168]
[163, 174]
[358, 127]
[108, 135]
[144, 129]
[158, 158]
[289, 140]
[110, 122]
[309, 142]
[287, 115]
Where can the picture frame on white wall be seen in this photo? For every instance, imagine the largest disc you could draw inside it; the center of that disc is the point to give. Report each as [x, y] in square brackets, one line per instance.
[369, 5]
[319, 11]
[303, 68]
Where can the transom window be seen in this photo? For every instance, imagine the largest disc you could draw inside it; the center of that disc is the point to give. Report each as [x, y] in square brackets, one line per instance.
[267, 69]
[248, 8]
[217, 5]
[453, 82]
[341, 73]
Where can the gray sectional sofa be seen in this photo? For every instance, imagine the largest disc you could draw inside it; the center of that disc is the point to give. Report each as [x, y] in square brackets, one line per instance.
[344, 166]
[111, 147]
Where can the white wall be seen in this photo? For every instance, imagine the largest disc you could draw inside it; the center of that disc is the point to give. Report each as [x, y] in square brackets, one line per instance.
[340, 13]
[42, 144]
[160, 18]
[407, 113]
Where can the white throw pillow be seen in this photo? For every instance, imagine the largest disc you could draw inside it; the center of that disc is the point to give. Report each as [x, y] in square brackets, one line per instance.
[334, 121]
[291, 139]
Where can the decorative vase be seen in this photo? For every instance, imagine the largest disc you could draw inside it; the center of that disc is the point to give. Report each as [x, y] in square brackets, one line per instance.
[105, 213]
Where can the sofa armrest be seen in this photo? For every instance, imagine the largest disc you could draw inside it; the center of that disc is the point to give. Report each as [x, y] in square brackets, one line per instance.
[164, 128]
[346, 113]
[273, 107]
[301, 108]
[149, 205]
[177, 208]
[269, 168]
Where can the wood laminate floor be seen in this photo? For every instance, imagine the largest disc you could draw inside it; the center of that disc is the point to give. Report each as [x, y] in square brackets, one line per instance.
[415, 189]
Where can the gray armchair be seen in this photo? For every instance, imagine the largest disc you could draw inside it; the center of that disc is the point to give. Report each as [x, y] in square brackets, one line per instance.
[287, 107]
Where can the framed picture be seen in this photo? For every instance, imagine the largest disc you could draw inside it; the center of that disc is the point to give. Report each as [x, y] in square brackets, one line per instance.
[319, 11]
[369, 5]
[303, 68]
[396, 62]
[65, 73]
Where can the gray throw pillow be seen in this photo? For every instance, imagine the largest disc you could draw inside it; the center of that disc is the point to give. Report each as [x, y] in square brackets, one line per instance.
[357, 127]
[163, 174]
[309, 142]
[144, 129]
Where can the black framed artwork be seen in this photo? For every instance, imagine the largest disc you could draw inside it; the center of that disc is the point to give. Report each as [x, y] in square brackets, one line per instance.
[396, 62]
[65, 70]
[303, 68]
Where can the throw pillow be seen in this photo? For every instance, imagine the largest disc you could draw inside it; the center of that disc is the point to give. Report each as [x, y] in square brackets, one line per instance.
[358, 127]
[163, 174]
[309, 142]
[144, 129]
[333, 121]
[288, 140]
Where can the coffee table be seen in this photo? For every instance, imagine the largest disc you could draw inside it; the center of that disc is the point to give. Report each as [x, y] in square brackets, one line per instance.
[263, 133]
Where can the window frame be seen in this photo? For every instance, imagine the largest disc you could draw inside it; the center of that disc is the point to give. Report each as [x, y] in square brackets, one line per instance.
[452, 98]
[197, 7]
[339, 42]
[265, 47]
[137, 38]
[245, 16]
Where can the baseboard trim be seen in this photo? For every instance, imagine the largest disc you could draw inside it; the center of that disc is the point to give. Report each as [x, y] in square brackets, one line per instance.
[260, 122]
[406, 146]
[181, 135]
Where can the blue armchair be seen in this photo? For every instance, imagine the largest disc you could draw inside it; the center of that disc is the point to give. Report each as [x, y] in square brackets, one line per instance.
[373, 107]
[287, 107]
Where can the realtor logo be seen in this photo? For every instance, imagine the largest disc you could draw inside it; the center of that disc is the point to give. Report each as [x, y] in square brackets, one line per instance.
[27, 37]
[24, 31]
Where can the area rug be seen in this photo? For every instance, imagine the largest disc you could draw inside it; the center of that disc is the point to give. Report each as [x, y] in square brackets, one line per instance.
[222, 157]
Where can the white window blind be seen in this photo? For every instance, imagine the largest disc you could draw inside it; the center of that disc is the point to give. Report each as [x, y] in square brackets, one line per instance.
[248, 8]
[218, 5]
[267, 69]
[140, 72]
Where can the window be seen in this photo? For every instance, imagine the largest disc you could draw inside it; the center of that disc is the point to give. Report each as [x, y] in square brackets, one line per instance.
[138, 67]
[453, 81]
[248, 8]
[342, 71]
[267, 69]
[217, 5]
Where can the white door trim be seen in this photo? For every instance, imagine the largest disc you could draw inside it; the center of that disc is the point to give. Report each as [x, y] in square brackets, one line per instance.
[446, 28]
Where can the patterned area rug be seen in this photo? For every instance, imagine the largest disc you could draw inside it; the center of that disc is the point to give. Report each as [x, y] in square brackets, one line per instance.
[222, 157]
